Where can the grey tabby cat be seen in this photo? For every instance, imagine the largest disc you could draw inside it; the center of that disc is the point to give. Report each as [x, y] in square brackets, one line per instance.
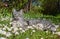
[18, 17]
[46, 25]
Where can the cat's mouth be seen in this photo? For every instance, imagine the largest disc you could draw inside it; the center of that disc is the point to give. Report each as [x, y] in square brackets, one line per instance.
[16, 19]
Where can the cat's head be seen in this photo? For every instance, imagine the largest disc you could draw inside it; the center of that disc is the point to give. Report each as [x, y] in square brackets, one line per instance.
[17, 13]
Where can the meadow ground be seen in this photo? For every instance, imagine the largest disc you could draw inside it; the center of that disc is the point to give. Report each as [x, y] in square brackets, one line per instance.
[7, 32]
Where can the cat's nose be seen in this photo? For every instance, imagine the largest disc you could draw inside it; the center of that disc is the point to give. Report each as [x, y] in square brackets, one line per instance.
[16, 19]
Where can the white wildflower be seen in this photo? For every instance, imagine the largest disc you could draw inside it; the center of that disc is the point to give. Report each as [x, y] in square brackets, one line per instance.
[10, 22]
[20, 29]
[58, 33]
[8, 34]
[15, 29]
[39, 6]
[3, 24]
[3, 28]
[33, 25]
[16, 33]
[10, 19]
[30, 27]
[23, 30]
[27, 38]
[2, 38]
[42, 38]
[33, 31]
[46, 31]
[9, 29]
[2, 19]
[56, 26]
[2, 32]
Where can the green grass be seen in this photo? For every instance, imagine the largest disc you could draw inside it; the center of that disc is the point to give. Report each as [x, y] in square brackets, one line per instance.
[54, 19]
[35, 35]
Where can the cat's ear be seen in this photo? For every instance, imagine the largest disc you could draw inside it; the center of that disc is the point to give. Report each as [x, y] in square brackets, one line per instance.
[21, 12]
[14, 11]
